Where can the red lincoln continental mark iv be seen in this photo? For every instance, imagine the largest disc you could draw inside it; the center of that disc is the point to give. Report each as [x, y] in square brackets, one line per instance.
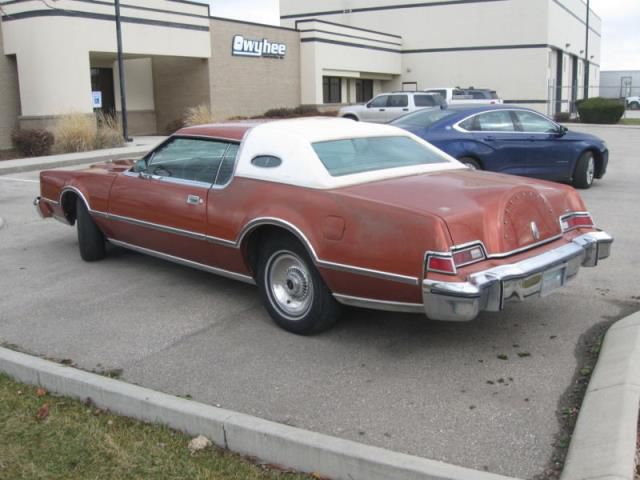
[324, 212]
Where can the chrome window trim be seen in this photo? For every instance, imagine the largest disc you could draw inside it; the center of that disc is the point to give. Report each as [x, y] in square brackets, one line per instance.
[185, 262]
[456, 126]
[375, 304]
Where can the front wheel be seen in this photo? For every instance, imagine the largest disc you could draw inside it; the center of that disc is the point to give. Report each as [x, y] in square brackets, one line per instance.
[634, 105]
[585, 171]
[350, 117]
[292, 289]
[90, 239]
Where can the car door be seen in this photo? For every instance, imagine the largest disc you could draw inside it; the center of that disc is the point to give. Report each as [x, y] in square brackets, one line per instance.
[397, 105]
[549, 155]
[376, 110]
[498, 145]
[161, 204]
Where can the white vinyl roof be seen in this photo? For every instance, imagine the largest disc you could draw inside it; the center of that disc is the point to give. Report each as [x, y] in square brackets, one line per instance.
[291, 141]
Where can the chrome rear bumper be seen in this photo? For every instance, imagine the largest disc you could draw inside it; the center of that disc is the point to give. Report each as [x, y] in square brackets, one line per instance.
[536, 276]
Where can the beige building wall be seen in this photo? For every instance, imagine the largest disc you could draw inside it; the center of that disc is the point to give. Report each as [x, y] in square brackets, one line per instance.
[251, 85]
[54, 46]
[141, 113]
[178, 83]
[9, 96]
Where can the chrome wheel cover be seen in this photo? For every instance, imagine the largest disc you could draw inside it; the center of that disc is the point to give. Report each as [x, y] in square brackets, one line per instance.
[289, 285]
[591, 170]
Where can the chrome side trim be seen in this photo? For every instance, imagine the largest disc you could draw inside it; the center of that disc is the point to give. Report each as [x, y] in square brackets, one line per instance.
[48, 200]
[156, 226]
[253, 224]
[70, 188]
[185, 262]
[384, 305]
[367, 272]
[250, 226]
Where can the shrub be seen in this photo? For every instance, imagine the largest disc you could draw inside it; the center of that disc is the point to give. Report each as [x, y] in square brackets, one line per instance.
[173, 126]
[32, 142]
[600, 110]
[562, 117]
[75, 132]
[199, 115]
[109, 134]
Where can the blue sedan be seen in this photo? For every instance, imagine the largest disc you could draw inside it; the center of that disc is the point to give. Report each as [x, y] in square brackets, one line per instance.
[510, 139]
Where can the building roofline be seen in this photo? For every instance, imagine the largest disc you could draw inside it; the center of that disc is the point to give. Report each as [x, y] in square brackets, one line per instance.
[345, 26]
[257, 24]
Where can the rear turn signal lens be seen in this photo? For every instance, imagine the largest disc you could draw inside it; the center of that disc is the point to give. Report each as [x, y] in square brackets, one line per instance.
[441, 265]
[446, 262]
[576, 220]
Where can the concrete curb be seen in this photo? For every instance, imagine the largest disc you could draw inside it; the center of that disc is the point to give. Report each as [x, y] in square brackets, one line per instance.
[279, 444]
[599, 125]
[604, 440]
[70, 159]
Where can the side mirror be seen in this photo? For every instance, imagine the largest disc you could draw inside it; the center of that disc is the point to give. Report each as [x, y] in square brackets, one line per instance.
[562, 131]
[140, 165]
[368, 105]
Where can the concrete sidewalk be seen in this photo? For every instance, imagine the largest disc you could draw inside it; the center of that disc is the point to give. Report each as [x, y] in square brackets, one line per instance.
[134, 149]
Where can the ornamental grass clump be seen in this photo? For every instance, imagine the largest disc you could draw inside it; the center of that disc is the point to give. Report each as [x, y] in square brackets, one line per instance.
[109, 134]
[199, 115]
[80, 132]
[75, 132]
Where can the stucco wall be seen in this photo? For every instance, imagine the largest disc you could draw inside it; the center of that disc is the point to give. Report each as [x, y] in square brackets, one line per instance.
[178, 83]
[251, 85]
[9, 96]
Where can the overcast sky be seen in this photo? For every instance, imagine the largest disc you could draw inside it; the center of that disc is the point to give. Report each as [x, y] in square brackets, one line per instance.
[620, 25]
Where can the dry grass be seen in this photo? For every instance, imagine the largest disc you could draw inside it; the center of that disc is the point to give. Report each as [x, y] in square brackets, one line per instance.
[199, 115]
[80, 132]
[109, 133]
[75, 132]
[79, 441]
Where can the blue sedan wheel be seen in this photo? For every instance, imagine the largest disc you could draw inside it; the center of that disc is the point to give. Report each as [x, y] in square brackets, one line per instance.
[585, 171]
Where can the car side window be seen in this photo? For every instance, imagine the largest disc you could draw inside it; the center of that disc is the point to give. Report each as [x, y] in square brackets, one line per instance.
[534, 123]
[225, 171]
[188, 159]
[380, 101]
[425, 101]
[398, 100]
[496, 121]
[442, 93]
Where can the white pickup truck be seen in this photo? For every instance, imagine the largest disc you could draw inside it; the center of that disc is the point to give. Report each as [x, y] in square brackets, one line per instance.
[633, 103]
[471, 95]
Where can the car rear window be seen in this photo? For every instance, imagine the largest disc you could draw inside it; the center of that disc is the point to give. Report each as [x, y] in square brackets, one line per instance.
[425, 101]
[357, 155]
[423, 118]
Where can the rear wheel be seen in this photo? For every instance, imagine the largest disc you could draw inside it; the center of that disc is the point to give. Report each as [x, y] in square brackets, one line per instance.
[471, 163]
[90, 238]
[585, 171]
[634, 105]
[292, 289]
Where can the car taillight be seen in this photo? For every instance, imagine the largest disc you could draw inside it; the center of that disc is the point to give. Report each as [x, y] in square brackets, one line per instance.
[449, 262]
[441, 265]
[576, 220]
[468, 255]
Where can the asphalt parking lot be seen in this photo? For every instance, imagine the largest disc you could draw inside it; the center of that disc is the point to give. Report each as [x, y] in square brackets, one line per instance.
[391, 380]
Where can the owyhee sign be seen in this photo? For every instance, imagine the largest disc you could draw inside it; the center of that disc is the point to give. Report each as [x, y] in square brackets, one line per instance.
[257, 48]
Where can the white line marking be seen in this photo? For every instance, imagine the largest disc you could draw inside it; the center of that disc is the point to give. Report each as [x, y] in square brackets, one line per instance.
[19, 180]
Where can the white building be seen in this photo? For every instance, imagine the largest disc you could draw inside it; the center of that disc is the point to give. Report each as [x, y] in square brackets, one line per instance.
[59, 57]
[533, 52]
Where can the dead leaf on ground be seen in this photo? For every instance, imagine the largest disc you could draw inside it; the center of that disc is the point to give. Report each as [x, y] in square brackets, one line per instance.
[41, 392]
[198, 444]
[43, 412]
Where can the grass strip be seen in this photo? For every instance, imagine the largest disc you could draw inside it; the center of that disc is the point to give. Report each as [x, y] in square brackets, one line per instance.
[69, 439]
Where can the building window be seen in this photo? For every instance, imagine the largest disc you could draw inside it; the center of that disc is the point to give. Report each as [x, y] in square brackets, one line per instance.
[364, 90]
[331, 90]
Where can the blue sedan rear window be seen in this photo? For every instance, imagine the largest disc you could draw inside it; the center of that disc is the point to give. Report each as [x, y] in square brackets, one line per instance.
[357, 155]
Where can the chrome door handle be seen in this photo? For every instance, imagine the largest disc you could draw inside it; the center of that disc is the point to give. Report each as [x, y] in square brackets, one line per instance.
[194, 200]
